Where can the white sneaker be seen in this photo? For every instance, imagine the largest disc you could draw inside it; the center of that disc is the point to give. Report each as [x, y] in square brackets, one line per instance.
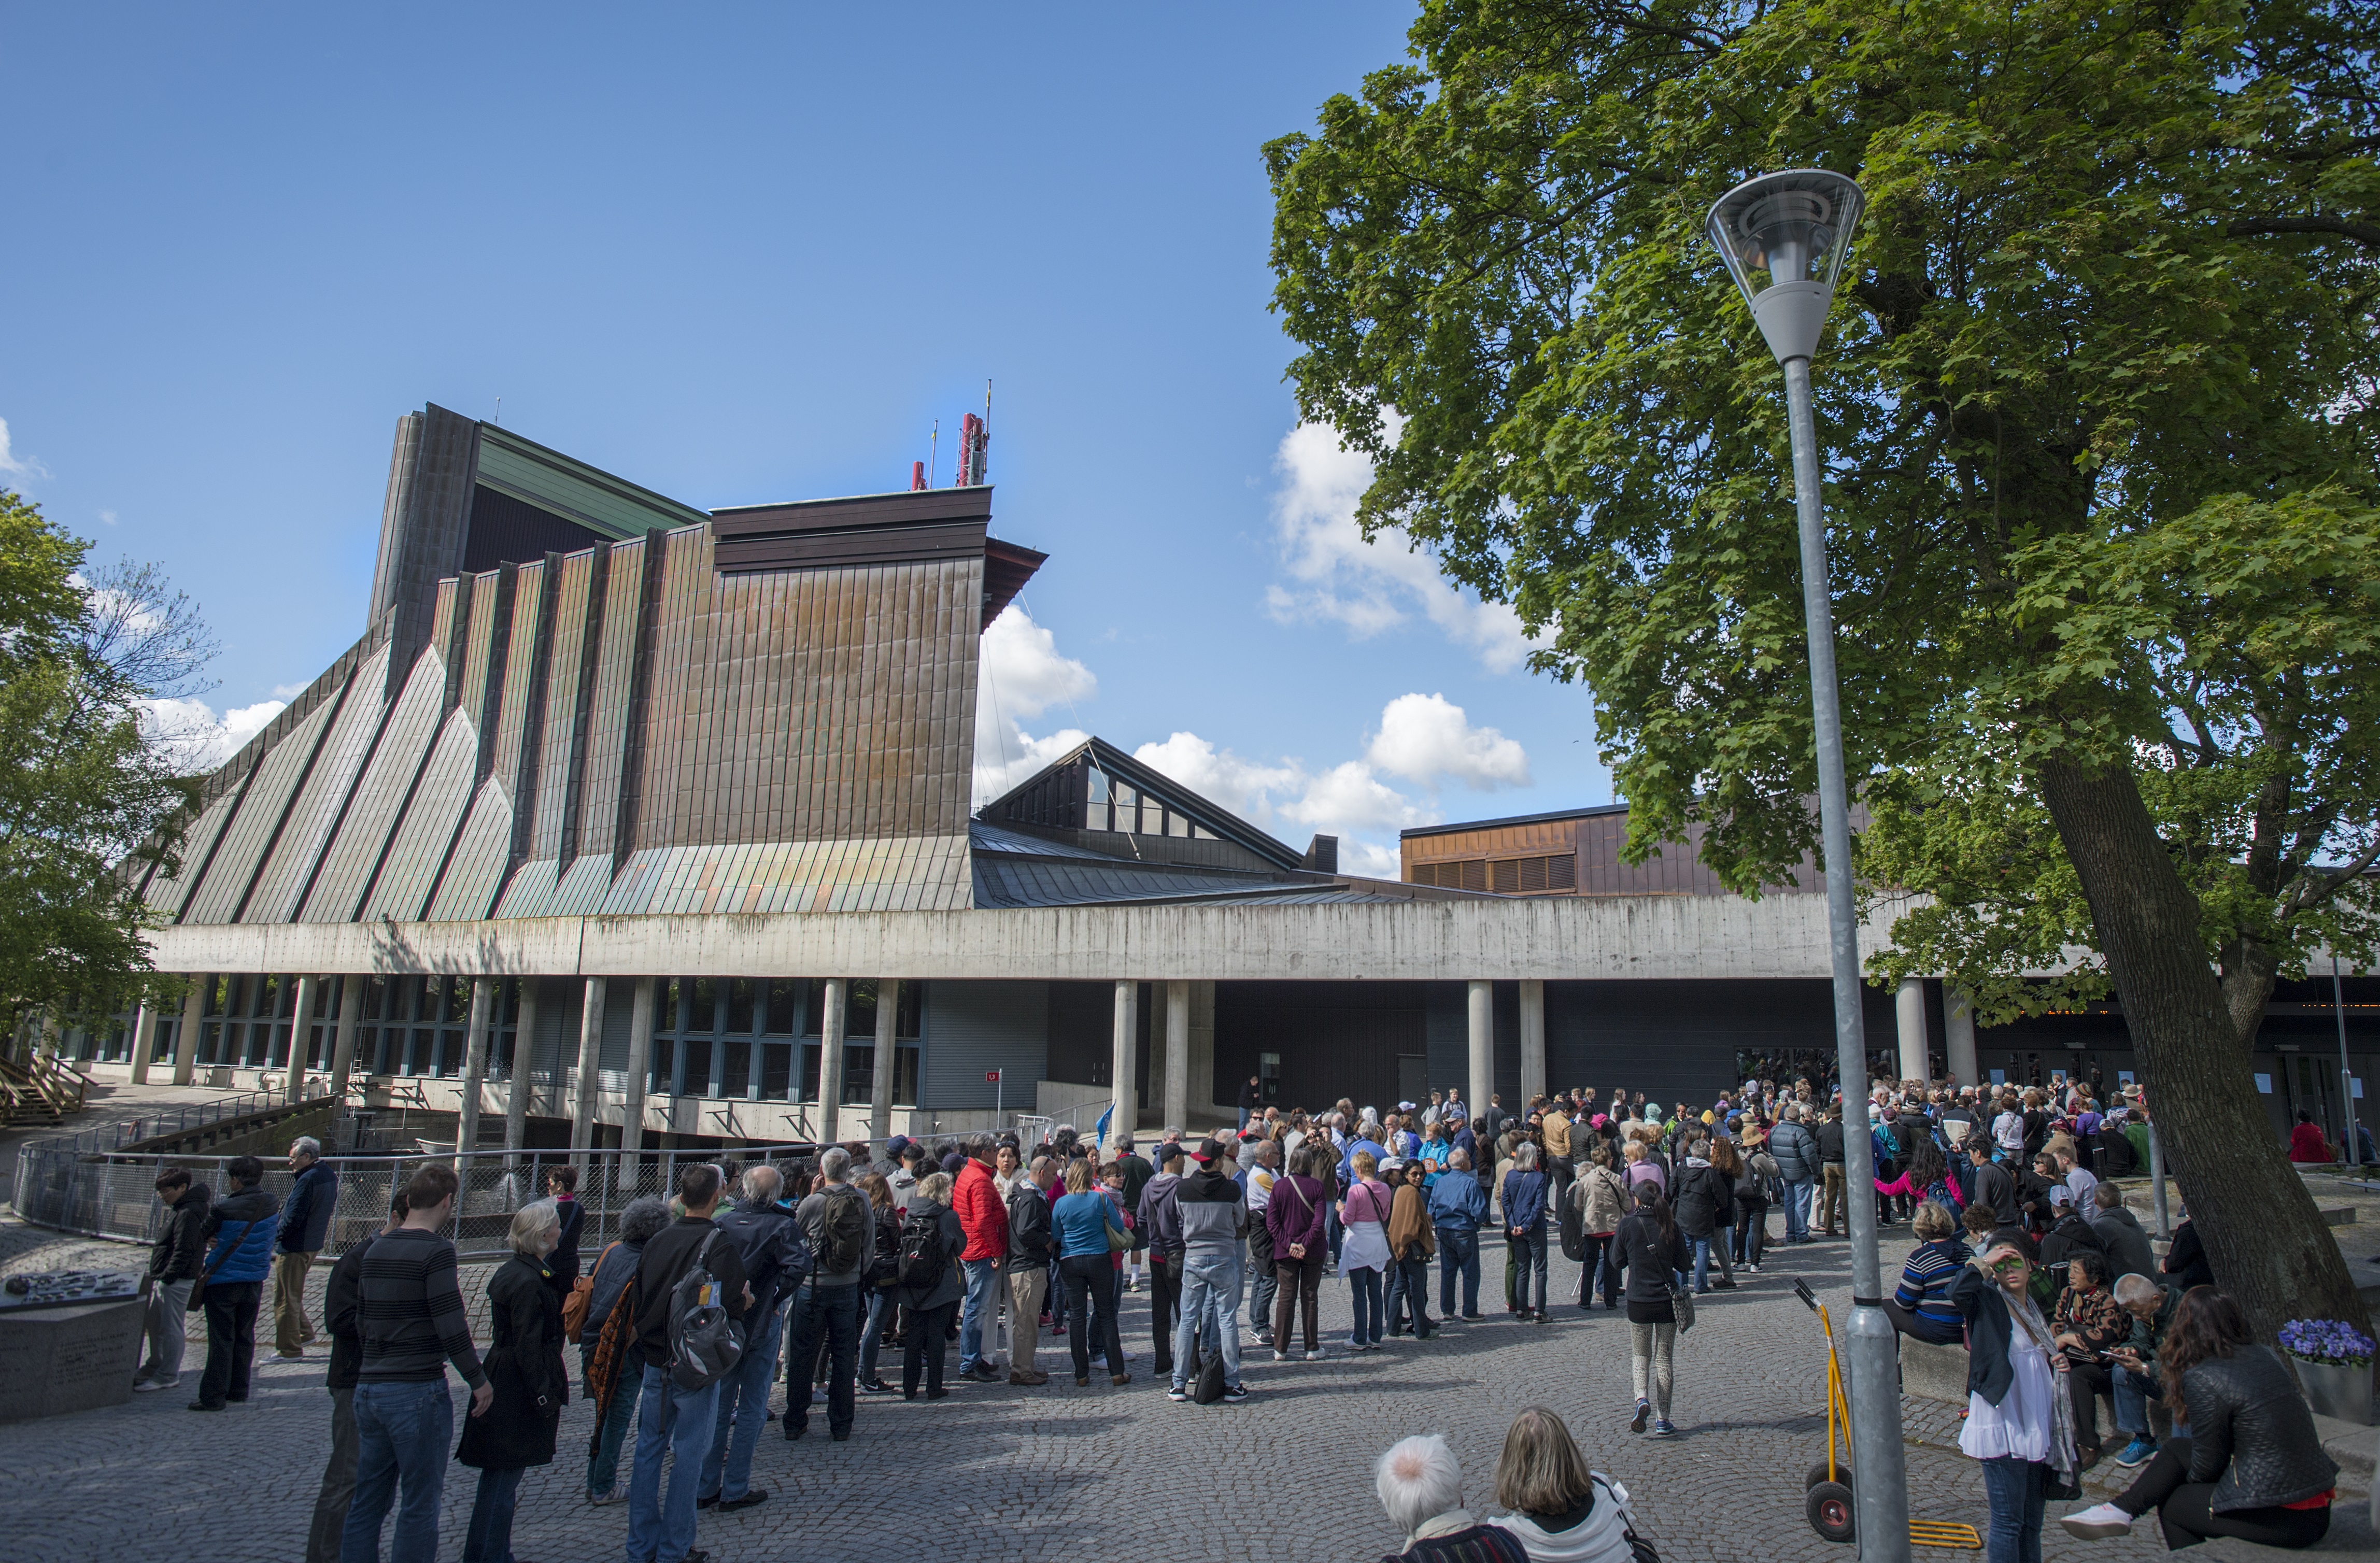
[2098, 1522]
[148, 1384]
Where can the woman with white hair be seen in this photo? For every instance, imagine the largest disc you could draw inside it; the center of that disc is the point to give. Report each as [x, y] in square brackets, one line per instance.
[1420, 1484]
[524, 1366]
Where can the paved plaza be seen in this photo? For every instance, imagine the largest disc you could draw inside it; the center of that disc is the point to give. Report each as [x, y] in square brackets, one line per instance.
[1061, 1472]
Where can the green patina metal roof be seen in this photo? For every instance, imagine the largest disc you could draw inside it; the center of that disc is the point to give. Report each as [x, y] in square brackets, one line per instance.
[595, 499]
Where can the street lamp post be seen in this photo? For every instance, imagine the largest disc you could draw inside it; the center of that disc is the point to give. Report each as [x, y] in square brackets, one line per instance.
[1793, 229]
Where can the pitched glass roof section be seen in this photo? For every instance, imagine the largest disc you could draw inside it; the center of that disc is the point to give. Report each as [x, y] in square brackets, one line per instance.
[611, 507]
[1098, 787]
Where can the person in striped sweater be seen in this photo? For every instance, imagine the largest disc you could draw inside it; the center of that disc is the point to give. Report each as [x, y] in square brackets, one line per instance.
[1921, 1305]
[409, 1314]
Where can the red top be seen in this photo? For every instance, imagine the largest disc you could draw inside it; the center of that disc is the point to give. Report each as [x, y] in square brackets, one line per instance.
[2306, 1144]
[976, 1199]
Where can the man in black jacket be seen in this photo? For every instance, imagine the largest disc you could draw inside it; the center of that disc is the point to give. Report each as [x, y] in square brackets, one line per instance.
[1833, 1192]
[341, 1299]
[775, 1258]
[1030, 1243]
[1985, 1181]
[1158, 1223]
[305, 1226]
[669, 1420]
[173, 1263]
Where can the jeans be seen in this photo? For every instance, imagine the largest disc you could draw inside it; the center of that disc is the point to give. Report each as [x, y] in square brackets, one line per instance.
[1026, 1286]
[1702, 1251]
[922, 1346]
[291, 1328]
[402, 1432]
[674, 1424]
[230, 1341]
[603, 1463]
[871, 1331]
[165, 1321]
[2013, 1490]
[982, 1300]
[2131, 1392]
[1210, 1304]
[338, 1483]
[743, 1412]
[1528, 1260]
[1458, 1253]
[1091, 1305]
[1371, 1319]
[829, 1313]
[489, 1538]
[1263, 1289]
[1598, 1270]
[1409, 1296]
[1164, 1307]
[1300, 1286]
[1797, 1209]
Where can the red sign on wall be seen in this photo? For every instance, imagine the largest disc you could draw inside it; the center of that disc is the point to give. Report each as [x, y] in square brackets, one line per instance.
[992, 1077]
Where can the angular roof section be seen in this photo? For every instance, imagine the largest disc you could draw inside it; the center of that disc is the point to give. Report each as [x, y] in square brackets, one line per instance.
[1017, 868]
[1036, 801]
[921, 525]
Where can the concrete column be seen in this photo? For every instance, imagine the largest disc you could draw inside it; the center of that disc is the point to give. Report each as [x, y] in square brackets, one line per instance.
[1483, 1045]
[302, 1032]
[343, 1044]
[1202, 1051]
[1123, 1090]
[888, 1058]
[640, 1069]
[144, 1041]
[1177, 1056]
[185, 1036]
[831, 1039]
[1533, 1041]
[590, 1055]
[1909, 1008]
[519, 1086]
[1959, 1037]
[475, 1066]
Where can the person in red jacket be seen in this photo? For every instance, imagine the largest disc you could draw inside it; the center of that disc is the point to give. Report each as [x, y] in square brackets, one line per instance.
[2307, 1145]
[985, 1218]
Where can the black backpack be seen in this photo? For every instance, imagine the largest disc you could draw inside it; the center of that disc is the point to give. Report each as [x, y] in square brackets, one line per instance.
[843, 1223]
[922, 1253]
[705, 1344]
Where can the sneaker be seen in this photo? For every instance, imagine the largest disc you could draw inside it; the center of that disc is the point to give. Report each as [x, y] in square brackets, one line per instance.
[1029, 1377]
[600, 1499]
[755, 1494]
[982, 1372]
[2101, 1521]
[875, 1387]
[1663, 1427]
[1643, 1409]
[148, 1384]
[2140, 1451]
[1235, 1393]
[1317, 1354]
[1280, 1356]
[1177, 1393]
[1754, 1268]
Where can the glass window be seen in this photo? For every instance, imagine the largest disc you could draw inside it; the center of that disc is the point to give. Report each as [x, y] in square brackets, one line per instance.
[1099, 785]
[859, 1008]
[742, 1000]
[264, 996]
[859, 1073]
[665, 1059]
[669, 1016]
[809, 1072]
[904, 1076]
[735, 1076]
[1561, 873]
[696, 1078]
[913, 1010]
[702, 1004]
[458, 1000]
[776, 1071]
[784, 1013]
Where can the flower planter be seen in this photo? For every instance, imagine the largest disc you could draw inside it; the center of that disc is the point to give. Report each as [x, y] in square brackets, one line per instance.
[2340, 1390]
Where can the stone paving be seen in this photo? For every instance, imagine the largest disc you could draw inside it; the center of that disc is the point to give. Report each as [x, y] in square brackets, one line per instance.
[996, 1472]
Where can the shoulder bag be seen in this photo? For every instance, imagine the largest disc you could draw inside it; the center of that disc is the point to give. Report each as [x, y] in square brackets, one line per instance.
[198, 1287]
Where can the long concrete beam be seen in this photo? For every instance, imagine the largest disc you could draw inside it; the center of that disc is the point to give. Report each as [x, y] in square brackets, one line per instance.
[1628, 936]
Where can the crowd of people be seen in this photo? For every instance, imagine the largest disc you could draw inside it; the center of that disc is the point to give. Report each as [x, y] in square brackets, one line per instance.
[814, 1266]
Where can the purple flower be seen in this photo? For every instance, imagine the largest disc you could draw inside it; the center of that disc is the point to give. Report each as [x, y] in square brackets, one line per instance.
[2325, 1341]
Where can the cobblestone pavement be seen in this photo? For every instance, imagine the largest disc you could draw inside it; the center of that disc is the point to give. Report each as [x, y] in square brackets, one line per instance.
[996, 1472]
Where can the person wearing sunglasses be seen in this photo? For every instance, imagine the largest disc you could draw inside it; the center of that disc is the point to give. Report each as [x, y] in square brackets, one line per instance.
[2020, 1420]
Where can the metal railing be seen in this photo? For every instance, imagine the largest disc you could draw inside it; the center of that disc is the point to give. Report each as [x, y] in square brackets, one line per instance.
[114, 1195]
[177, 1118]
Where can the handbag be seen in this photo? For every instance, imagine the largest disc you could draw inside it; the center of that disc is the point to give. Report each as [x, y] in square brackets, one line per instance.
[198, 1287]
[1682, 1307]
[581, 1298]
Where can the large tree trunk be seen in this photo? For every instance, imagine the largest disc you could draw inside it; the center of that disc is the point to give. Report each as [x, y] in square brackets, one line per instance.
[2268, 1243]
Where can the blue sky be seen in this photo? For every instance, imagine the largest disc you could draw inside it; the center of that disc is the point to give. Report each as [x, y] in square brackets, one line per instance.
[738, 254]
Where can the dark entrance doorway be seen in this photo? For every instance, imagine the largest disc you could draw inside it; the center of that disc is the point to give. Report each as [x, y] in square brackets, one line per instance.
[1334, 1039]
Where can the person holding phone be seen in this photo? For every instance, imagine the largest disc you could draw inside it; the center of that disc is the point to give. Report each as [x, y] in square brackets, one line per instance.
[2018, 1416]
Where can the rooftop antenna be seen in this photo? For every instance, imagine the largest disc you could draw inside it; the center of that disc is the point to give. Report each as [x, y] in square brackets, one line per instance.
[500, 409]
[934, 455]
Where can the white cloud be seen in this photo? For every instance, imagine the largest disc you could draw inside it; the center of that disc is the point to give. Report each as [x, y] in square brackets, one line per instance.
[1022, 676]
[108, 517]
[1368, 588]
[198, 739]
[1246, 787]
[22, 467]
[1424, 738]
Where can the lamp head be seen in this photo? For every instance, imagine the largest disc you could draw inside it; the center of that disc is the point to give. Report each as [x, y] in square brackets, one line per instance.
[1784, 237]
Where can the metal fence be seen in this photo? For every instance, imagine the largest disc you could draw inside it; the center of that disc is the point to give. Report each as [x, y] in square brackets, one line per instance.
[177, 1119]
[114, 1195]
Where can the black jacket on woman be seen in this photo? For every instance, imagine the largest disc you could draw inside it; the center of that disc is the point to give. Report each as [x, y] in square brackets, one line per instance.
[524, 1364]
[2251, 1433]
[1650, 1268]
[953, 1285]
[1981, 1302]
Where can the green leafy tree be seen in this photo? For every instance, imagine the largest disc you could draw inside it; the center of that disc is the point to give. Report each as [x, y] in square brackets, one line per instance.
[2099, 438]
[91, 789]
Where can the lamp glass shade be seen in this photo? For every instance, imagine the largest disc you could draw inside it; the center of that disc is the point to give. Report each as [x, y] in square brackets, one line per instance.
[1788, 227]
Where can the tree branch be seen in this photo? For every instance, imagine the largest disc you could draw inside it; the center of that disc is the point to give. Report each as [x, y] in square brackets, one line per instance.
[2361, 232]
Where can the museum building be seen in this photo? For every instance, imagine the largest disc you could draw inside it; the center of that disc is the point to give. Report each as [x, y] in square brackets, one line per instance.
[664, 813]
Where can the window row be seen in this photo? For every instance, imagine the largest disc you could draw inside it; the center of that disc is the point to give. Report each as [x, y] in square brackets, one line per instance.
[1505, 876]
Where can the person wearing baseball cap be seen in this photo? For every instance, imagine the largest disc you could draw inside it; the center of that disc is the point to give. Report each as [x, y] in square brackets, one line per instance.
[1213, 1213]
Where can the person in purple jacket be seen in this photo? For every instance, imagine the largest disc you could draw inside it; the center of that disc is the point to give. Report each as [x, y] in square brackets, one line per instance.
[1294, 1219]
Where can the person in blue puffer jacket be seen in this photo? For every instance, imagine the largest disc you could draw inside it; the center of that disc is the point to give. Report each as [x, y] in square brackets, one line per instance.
[238, 1233]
